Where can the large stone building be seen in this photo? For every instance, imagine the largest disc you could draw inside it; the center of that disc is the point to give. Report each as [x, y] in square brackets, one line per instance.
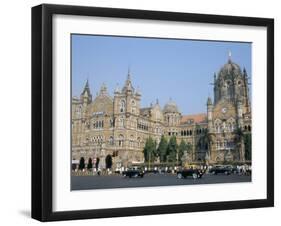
[118, 126]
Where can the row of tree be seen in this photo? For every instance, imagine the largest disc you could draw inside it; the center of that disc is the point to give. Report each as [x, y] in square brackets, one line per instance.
[166, 151]
[90, 165]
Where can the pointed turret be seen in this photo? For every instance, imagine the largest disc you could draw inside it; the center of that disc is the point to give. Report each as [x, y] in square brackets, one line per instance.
[86, 95]
[210, 114]
[117, 89]
[157, 101]
[138, 92]
[246, 90]
[209, 101]
[128, 87]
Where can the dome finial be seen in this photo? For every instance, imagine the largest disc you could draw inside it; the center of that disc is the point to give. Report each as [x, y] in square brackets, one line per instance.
[229, 56]
[103, 89]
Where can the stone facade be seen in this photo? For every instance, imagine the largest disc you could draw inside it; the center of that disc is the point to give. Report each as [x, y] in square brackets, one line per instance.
[119, 126]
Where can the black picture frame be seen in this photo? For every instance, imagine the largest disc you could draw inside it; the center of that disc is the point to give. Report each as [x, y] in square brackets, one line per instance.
[42, 107]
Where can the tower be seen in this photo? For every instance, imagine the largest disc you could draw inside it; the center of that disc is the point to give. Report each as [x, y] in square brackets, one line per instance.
[127, 100]
[210, 114]
[86, 96]
[229, 111]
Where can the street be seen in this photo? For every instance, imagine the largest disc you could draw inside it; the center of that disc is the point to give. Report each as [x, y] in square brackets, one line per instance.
[149, 180]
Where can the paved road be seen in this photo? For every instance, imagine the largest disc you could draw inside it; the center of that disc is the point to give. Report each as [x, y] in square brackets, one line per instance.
[149, 180]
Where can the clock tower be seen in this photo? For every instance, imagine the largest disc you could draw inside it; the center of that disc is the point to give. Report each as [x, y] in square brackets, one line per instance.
[227, 114]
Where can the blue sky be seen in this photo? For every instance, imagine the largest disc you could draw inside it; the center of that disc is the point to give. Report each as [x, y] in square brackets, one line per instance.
[161, 68]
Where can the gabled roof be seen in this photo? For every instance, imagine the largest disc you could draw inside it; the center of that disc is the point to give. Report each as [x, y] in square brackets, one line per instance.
[196, 118]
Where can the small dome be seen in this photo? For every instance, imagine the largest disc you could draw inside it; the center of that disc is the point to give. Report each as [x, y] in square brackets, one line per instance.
[229, 70]
[171, 107]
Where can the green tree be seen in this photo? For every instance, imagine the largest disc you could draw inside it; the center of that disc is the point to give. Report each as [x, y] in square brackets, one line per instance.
[108, 161]
[189, 148]
[162, 149]
[90, 164]
[97, 163]
[248, 146]
[172, 149]
[182, 148]
[82, 163]
[149, 150]
[247, 139]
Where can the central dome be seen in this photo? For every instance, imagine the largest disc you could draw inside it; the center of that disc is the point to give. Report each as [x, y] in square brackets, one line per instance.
[229, 70]
[171, 107]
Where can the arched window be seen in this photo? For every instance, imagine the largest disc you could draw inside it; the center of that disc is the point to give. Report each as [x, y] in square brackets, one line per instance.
[111, 122]
[121, 140]
[249, 128]
[122, 106]
[78, 111]
[131, 141]
[111, 140]
[122, 122]
[139, 142]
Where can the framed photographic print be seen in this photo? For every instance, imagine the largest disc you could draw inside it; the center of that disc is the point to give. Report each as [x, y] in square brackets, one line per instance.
[145, 112]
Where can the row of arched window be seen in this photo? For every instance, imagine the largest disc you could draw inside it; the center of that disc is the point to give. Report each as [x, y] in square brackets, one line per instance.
[201, 130]
[190, 132]
[224, 126]
[121, 140]
[186, 133]
[142, 125]
[96, 139]
[225, 144]
[98, 124]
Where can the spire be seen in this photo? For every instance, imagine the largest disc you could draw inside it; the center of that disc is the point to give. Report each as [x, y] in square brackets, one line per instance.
[86, 89]
[128, 84]
[86, 95]
[245, 73]
[157, 101]
[129, 74]
[209, 101]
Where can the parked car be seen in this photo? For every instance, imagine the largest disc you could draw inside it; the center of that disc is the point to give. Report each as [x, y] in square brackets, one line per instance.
[233, 169]
[221, 170]
[133, 173]
[195, 173]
